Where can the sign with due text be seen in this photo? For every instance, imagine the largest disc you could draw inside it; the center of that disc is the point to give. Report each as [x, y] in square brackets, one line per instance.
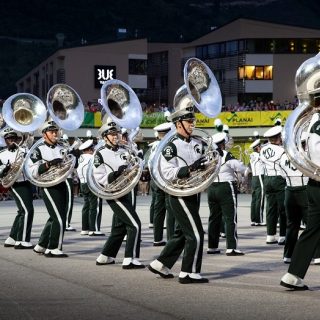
[102, 74]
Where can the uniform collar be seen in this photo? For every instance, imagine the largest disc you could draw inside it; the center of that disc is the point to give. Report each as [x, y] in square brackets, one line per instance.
[181, 137]
[113, 148]
[52, 146]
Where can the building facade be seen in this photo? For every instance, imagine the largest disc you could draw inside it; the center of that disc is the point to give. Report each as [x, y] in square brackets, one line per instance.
[86, 68]
[252, 60]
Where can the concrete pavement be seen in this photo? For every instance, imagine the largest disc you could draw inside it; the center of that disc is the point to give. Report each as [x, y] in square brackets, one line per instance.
[246, 287]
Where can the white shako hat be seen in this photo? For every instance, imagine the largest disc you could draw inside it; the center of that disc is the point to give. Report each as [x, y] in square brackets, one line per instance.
[9, 133]
[87, 144]
[219, 137]
[49, 125]
[255, 144]
[163, 127]
[272, 132]
[108, 126]
[184, 110]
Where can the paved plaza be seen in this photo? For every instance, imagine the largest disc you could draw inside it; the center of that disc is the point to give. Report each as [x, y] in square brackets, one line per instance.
[244, 287]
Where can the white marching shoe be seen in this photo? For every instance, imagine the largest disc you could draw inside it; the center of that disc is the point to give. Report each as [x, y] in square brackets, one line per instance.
[39, 249]
[271, 240]
[55, 253]
[293, 282]
[10, 242]
[158, 268]
[104, 260]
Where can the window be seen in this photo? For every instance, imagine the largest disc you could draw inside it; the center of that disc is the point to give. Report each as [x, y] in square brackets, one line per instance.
[219, 75]
[138, 66]
[151, 83]
[255, 72]
[61, 75]
[231, 48]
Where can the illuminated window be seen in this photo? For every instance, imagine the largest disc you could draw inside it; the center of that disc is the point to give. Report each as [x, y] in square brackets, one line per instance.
[259, 73]
[249, 72]
[241, 72]
[268, 72]
[255, 72]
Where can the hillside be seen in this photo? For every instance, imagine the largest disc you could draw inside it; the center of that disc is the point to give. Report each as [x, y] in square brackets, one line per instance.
[94, 21]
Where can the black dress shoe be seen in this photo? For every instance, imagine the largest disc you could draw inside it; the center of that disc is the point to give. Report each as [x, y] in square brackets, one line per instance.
[281, 243]
[272, 242]
[39, 252]
[235, 253]
[20, 246]
[133, 266]
[6, 245]
[187, 280]
[159, 244]
[293, 287]
[104, 264]
[50, 255]
[213, 251]
[162, 275]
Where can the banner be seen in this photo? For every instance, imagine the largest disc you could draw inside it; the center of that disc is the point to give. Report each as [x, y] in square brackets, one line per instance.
[241, 119]
[268, 117]
[88, 121]
[232, 119]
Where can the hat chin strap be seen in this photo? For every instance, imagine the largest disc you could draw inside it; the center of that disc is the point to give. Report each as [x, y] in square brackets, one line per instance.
[187, 133]
[52, 142]
[114, 146]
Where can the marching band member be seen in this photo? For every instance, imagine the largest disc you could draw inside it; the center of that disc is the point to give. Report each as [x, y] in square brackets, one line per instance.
[90, 223]
[182, 155]
[222, 200]
[160, 201]
[109, 163]
[21, 191]
[296, 202]
[48, 154]
[125, 140]
[274, 185]
[100, 200]
[308, 243]
[258, 170]
[70, 197]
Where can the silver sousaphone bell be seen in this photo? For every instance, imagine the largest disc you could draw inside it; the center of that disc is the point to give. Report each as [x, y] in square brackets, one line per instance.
[122, 105]
[66, 109]
[24, 112]
[200, 89]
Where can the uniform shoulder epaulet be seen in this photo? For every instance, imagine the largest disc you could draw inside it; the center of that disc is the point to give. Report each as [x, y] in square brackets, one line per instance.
[229, 156]
[36, 154]
[173, 138]
[98, 159]
[41, 145]
[169, 151]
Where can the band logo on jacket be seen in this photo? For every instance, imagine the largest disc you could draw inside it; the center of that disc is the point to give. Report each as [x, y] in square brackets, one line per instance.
[35, 155]
[269, 153]
[169, 151]
[197, 149]
[124, 156]
[63, 152]
[288, 164]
